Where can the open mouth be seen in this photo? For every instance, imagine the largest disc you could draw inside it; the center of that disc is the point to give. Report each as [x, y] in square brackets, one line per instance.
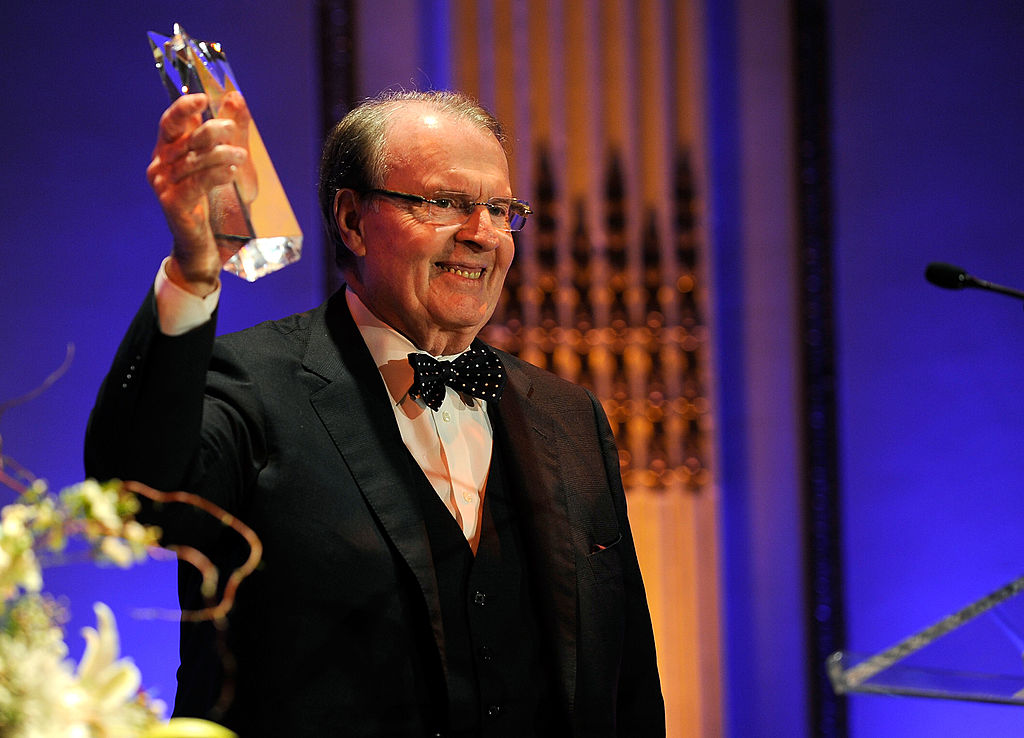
[472, 273]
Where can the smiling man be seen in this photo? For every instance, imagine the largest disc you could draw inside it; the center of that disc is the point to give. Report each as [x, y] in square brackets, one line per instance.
[447, 551]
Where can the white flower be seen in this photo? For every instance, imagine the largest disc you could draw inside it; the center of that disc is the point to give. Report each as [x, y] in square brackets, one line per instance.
[99, 502]
[108, 681]
[117, 551]
[139, 538]
[40, 695]
[33, 672]
[18, 564]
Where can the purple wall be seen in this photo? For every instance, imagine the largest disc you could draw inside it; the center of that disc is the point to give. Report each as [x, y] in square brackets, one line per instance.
[81, 234]
[929, 166]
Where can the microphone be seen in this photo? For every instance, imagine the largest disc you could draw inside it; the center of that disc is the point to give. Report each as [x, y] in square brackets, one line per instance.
[954, 278]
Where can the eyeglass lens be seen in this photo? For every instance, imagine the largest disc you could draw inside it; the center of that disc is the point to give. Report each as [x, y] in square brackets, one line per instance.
[505, 214]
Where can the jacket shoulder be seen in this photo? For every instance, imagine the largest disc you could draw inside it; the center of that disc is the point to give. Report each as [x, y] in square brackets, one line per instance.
[563, 403]
[287, 336]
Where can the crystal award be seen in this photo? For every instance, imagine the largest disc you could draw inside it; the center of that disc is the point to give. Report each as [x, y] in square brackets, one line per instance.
[252, 214]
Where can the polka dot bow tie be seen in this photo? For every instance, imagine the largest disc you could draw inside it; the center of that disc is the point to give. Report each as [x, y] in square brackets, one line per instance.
[478, 372]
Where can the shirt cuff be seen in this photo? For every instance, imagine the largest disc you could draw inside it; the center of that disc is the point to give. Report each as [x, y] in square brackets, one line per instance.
[178, 310]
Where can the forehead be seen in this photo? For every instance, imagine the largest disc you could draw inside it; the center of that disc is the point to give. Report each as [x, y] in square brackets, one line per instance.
[423, 146]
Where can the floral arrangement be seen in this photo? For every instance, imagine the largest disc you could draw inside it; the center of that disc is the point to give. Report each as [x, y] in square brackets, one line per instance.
[42, 693]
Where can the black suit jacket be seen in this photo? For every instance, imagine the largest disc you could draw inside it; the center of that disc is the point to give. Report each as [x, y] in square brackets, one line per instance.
[289, 426]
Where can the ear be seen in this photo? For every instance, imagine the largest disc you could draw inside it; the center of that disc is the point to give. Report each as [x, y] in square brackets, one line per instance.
[348, 218]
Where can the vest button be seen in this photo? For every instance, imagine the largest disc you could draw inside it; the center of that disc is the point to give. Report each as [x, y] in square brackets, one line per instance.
[480, 599]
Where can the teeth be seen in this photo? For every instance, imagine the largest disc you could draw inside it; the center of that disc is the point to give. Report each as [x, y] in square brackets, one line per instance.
[463, 272]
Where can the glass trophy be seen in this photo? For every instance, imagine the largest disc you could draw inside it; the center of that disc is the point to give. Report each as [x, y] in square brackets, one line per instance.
[252, 214]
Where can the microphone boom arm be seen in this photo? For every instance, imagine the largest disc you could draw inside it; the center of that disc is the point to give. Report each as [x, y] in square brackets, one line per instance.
[954, 278]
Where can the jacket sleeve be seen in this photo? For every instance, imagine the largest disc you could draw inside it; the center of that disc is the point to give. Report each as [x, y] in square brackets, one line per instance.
[173, 413]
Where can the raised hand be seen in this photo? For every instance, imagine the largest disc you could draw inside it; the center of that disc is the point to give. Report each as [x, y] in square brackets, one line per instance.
[191, 159]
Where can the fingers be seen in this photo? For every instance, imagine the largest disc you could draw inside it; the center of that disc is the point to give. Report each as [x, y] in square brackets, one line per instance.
[211, 133]
[207, 153]
[184, 114]
[182, 128]
[233, 106]
[195, 172]
[198, 141]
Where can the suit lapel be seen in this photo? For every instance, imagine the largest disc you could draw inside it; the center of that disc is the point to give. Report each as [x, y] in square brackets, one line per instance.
[355, 410]
[533, 468]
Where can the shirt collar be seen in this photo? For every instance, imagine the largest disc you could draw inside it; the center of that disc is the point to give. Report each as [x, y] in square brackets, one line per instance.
[389, 348]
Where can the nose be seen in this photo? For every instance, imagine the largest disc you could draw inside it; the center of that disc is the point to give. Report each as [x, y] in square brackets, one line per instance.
[480, 229]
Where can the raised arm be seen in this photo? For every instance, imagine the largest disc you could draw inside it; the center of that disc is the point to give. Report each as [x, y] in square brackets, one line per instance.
[146, 422]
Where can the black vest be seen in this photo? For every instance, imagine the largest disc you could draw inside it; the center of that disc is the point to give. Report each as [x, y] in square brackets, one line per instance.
[499, 680]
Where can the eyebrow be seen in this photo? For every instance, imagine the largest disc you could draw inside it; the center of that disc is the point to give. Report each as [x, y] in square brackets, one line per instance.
[462, 193]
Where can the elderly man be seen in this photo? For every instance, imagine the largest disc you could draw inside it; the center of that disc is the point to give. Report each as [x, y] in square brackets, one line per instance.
[446, 544]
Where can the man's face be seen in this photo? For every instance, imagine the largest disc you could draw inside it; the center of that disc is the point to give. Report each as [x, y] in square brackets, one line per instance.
[438, 285]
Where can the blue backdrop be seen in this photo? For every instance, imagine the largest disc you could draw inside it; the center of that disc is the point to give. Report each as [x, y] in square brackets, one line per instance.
[928, 115]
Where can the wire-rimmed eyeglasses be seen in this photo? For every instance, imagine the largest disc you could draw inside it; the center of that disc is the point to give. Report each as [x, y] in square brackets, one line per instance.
[506, 213]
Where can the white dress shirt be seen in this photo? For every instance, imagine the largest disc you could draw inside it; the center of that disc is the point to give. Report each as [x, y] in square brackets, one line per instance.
[452, 444]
